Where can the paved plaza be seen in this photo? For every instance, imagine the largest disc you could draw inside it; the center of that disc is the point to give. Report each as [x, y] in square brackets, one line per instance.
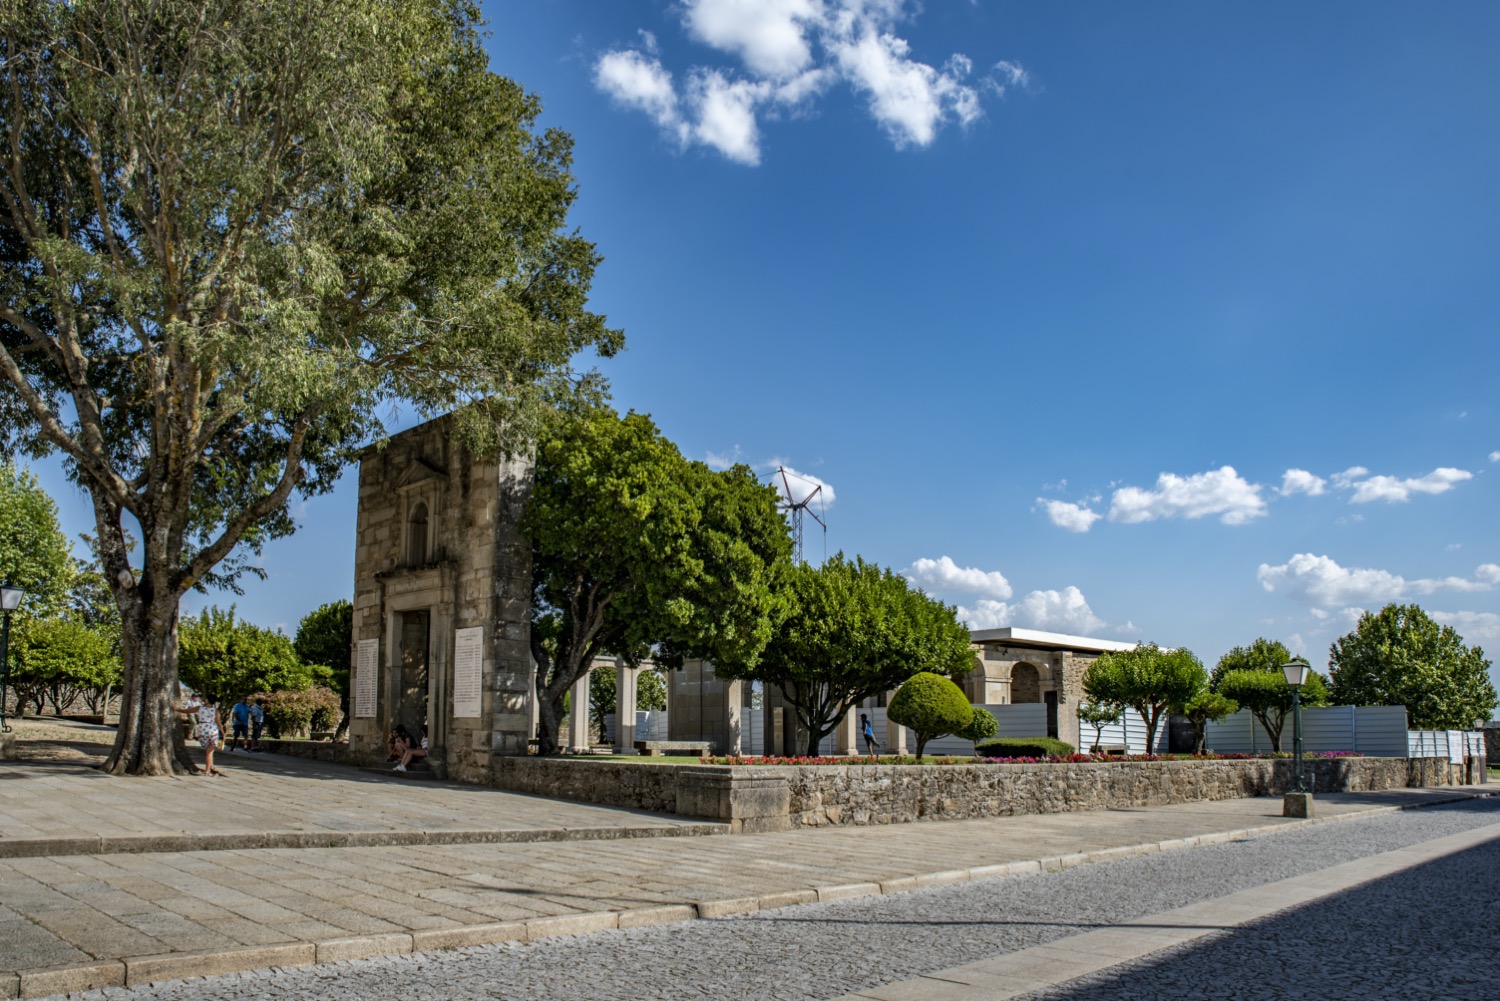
[139, 911]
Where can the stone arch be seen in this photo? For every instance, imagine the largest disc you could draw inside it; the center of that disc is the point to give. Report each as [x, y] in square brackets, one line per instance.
[1025, 683]
[417, 535]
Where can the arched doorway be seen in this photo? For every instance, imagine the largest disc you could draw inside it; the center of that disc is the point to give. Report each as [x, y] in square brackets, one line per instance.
[1025, 683]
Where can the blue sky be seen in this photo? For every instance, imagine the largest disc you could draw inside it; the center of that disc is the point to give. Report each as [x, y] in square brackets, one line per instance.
[1170, 322]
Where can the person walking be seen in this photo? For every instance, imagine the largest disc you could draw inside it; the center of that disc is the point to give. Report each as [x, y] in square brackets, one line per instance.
[257, 721]
[206, 712]
[240, 715]
[867, 730]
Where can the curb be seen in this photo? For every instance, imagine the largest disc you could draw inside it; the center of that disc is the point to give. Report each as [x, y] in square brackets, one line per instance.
[139, 970]
[117, 844]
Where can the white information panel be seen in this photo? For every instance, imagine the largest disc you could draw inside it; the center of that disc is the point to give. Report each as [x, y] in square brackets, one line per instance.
[468, 672]
[366, 677]
[1456, 746]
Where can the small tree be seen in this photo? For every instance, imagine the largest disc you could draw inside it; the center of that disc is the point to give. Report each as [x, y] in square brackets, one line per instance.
[1400, 657]
[931, 706]
[1269, 698]
[1148, 679]
[227, 658]
[1099, 715]
[1261, 655]
[62, 658]
[640, 553]
[982, 727]
[855, 630]
[324, 638]
[1204, 708]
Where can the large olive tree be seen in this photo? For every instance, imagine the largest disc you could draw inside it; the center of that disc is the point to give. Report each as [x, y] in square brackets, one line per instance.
[231, 235]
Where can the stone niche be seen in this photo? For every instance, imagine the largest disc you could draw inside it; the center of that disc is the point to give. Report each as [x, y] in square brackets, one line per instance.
[438, 551]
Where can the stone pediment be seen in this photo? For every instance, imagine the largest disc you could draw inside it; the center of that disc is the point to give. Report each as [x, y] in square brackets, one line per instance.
[419, 472]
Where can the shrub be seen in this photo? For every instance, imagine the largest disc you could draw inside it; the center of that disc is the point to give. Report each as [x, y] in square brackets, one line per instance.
[294, 712]
[932, 706]
[1024, 747]
[982, 727]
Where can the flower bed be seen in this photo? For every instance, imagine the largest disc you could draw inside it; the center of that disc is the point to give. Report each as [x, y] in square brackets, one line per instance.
[846, 761]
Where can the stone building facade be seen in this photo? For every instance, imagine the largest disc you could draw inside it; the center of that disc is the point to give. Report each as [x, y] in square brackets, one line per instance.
[438, 550]
[1030, 665]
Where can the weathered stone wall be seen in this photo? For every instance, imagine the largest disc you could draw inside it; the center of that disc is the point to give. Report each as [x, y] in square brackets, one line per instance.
[882, 794]
[637, 786]
[763, 798]
[335, 752]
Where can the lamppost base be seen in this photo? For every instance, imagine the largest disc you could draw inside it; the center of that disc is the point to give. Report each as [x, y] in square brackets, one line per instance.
[1297, 804]
[7, 746]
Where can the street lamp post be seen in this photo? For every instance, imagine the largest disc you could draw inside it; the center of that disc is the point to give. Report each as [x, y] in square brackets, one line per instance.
[1298, 802]
[10, 600]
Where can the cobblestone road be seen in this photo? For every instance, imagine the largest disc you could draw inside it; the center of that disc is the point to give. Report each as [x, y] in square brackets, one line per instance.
[1415, 935]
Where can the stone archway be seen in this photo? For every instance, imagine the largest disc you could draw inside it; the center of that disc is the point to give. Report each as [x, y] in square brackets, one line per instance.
[1025, 683]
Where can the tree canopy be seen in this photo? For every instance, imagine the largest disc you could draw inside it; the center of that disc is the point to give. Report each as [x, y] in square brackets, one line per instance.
[853, 630]
[227, 658]
[230, 234]
[932, 706]
[640, 553]
[34, 551]
[1260, 655]
[1148, 679]
[1399, 656]
[1266, 694]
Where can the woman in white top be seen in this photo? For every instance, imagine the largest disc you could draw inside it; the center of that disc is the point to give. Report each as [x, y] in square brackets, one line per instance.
[209, 735]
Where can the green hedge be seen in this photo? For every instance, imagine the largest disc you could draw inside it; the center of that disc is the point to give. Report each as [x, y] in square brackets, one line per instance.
[1023, 747]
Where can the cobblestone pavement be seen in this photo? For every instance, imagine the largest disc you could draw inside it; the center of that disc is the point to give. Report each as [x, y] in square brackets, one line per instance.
[1402, 937]
[261, 793]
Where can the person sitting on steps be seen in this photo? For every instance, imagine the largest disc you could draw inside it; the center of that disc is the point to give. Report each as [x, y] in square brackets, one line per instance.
[397, 743]
[413, 751]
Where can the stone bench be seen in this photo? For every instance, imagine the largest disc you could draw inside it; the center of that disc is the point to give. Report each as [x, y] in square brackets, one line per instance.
[655, 748]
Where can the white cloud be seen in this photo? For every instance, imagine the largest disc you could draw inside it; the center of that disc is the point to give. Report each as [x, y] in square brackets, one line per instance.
[1128, 629]
[770, 36]
[1300, 481]
[1073, 517]
[1474, 627]
[1495, 456]
[1390, 488]
[789, 51]
[1346, 479]
[1322, 582]
[1220, 491]
[802, 486]
[1063, 611]
[640, 82]
[723, 460]
[943, 575]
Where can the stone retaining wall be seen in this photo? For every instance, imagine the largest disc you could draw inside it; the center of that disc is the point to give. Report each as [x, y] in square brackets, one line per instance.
[754, 798]
[334, 752]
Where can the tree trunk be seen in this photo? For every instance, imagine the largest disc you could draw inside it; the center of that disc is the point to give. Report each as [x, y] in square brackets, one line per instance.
[921, 745]
[549, 722]
[149, 740]
[1273, 730]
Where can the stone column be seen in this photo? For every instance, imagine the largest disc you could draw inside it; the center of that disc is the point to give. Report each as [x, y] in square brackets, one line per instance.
[578, 718]
[846, 734]
[625, 695]
[895, 738]
[734, 700]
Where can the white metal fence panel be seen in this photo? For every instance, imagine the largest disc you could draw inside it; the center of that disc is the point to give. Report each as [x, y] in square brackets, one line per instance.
[1378, 731]
[1129, 733]
[648, 725]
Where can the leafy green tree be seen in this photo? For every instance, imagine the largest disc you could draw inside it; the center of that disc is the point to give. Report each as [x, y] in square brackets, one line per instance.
[34, 552]
[1266, 694]
[1261, 655]
[640, 553]
[1204, 708]
[650, 693]
[228, 658]
[1099, 715]
[1400, 657]
[1148, 679]
[854, 630]
[231, 236]
[325, 637]
[61, 658]
[931, 706]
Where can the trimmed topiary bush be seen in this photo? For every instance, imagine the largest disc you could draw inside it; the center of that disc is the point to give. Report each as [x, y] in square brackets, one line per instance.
[1024, 747]
[983, 726]
[931, 706]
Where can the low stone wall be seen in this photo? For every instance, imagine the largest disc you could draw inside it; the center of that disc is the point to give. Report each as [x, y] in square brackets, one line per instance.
[637, 786]
[755, 798]
[882, 794]
[334, 752]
